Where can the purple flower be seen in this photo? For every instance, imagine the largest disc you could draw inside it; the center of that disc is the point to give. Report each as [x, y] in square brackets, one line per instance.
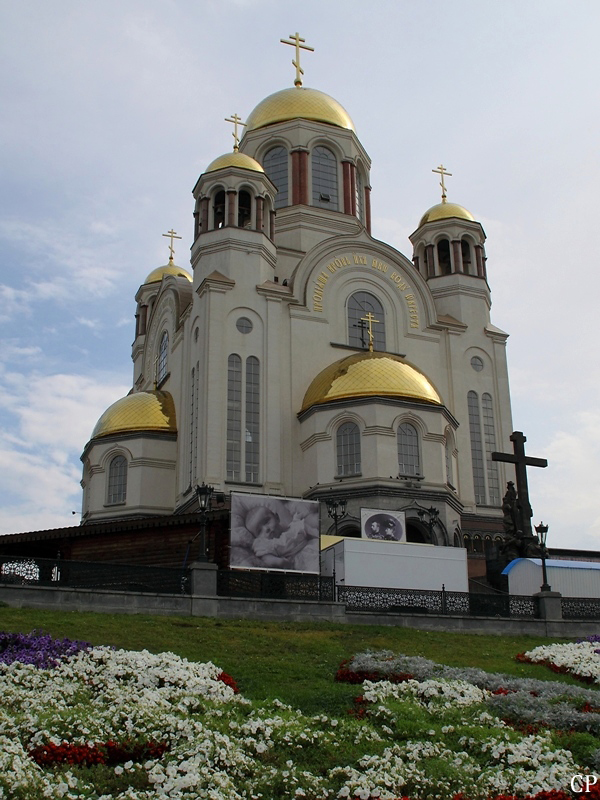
[37, 648]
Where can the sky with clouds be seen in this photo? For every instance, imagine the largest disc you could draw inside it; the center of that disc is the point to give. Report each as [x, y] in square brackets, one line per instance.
[111, 111]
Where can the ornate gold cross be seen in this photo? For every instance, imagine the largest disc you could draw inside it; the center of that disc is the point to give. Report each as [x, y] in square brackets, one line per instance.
[369, 318]
[441, 170]
[236, 121]
[296, 41]
[171, 235]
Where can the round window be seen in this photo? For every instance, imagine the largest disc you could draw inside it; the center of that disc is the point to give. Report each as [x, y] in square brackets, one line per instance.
[477, 363]
[244, 325]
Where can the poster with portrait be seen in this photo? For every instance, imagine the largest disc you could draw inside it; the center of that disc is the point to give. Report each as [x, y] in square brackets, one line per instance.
[388, 526]
[274, 533]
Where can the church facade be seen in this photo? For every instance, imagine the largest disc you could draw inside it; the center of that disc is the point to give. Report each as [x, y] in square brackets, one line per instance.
[300, 357]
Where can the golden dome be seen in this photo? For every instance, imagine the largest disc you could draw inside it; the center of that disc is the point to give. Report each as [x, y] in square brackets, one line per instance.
[446, 211]
[234, 159]
[169, 269]
[299, 103]
[140, 411]
[369, 375]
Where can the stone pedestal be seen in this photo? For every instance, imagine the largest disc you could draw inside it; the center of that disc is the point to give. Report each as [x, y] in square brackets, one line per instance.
[204, 578]
[550, 607]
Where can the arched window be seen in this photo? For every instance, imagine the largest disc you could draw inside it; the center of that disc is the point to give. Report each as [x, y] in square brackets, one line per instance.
[275, 164]
[359, 305]
[360, 197]
[234, 417]
[409, 462]
[443, 250]
[252, 418]
[219, 210]
[466, 257]
[324, 179]
[483, 443]
[163, 358]
[348, 449]
[244, 209]
[243, 414]
[117, 480]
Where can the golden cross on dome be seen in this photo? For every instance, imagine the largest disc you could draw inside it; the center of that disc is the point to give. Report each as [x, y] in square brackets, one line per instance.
[171, 235]
[441, 170]
[299, 43]
[236, 121]
[369, 318]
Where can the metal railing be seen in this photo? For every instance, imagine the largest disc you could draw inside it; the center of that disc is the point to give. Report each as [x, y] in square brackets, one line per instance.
[21, 570]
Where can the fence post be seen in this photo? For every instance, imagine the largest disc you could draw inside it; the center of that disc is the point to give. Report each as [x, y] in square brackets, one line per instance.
[203, 575]
[444, 608]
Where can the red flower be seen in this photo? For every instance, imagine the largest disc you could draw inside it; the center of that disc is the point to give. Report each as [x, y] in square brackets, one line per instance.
[228, 681]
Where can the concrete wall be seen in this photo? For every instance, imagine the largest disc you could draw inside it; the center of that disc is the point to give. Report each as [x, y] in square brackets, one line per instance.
[103, 601]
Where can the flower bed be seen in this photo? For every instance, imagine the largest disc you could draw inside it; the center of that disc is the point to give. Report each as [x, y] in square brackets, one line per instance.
[106, 724]
[581, 659]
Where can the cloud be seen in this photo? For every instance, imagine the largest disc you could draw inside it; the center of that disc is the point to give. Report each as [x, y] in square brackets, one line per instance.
[46, 420]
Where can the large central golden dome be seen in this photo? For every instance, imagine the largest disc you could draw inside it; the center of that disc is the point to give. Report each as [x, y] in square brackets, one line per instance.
[140, 411]
[299, 103]
[370, 375]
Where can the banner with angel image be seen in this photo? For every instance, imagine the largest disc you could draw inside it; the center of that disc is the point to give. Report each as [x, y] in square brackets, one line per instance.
[274, 533]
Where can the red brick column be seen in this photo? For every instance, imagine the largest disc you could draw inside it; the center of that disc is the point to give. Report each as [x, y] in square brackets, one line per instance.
[457, 253]
[260, 204]
[347, 186]
[204, 214]
[230, 216]
[430, 261]
[368, 208]
[480, 260]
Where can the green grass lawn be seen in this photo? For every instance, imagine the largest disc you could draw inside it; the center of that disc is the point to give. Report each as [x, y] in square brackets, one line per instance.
[295, 662]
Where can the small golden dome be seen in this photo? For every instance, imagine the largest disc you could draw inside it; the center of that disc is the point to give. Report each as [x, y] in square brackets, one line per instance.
[446, 211]
[140, 411]
[369, 375]
[299, 103]
[169, 269]
[234, 159]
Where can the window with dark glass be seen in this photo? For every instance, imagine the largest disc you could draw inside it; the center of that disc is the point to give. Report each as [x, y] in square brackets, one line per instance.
[244, 210]
[483, 443]
[243, 419]
[360, 196]
[359, 305]
[275, 164]
[163, 358]
[117, 480]
[409, 461]
[348, 449]
[443, 250]
[219, 210]
[324, 179]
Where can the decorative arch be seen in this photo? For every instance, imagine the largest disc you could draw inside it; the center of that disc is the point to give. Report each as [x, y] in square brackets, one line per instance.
[358, 305]
[324, 177]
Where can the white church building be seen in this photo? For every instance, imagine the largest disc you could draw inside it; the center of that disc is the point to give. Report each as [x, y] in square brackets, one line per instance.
[297, 356]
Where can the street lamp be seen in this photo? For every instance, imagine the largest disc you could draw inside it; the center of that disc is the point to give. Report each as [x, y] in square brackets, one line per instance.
[336, 510]
[204, 494]
[542, 532]
[432, 515]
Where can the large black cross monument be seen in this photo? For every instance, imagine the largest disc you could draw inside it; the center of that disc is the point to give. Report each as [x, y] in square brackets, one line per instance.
[521, 462]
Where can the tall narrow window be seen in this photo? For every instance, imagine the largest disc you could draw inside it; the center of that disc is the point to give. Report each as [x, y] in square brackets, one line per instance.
[348, 449]
[409, 462]
[449, 448]
[117, 481]
[163, 358]
[275, 164]
[194, 386]
[219, 210]
[324, 179]
[244, 209]
[476, 448]
[359, 305]
[360, 197]
[490, 446]
[234, 417]
[243, 419]
[466, 257]
[252, 419]
[443, 250]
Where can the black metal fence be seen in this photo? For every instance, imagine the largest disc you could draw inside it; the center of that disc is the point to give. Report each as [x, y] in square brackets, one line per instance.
[92, 575]
[274, 585]
[21, 570]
